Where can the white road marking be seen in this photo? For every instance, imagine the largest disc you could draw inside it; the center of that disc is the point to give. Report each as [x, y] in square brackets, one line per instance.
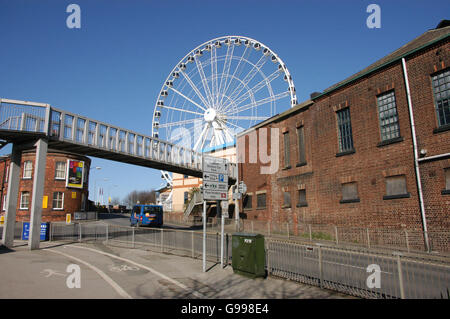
[108, 279]
[179, 284]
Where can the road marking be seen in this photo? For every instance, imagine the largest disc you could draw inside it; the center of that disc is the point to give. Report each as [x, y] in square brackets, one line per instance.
[108, 279]
[179, 284]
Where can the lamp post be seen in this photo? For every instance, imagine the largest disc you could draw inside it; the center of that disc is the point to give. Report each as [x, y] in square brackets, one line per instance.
[95, 184]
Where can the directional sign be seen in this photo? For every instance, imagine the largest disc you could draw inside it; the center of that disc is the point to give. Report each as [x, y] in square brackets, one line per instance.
[211, 177]
[214, 195]
[217, 186]
[215, 165]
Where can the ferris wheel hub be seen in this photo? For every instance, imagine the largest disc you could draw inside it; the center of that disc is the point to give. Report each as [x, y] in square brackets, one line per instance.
[210, 115]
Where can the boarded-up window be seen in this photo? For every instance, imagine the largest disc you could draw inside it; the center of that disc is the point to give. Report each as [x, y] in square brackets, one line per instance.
[302, 198]
[286, 199]
[447, 178]
[396, 187]
[261, 200]
[301, 145]
[350, 192]
[287, 153]
[247, 202]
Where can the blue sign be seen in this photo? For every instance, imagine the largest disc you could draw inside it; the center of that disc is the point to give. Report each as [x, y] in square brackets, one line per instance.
[26, 231]
[221, 178]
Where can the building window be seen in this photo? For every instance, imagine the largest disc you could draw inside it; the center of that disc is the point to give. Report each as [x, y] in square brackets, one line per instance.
[4, 202]
[287, 151]
[24, 200]
[345, 130]
[261, 200]
[186, 197]
[27, 169]
[301, 145]
[247, 201]
[446, 191]
[349, 193]
[388, 116]
[302, 198]
[441, 89]
[60, 170]
[286, 199]
[396, 187]
[58, 200]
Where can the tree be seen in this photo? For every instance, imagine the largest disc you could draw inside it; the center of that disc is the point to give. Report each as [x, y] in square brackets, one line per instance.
[143, 197]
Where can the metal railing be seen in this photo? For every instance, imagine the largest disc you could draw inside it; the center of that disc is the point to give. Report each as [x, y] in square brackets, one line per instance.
[72, 128]
[352, 271]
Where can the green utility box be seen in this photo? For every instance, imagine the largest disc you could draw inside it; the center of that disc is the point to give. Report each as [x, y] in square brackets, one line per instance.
[248, 255]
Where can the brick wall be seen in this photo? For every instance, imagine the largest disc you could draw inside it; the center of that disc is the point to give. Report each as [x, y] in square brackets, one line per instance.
[72, 196]
[326, 170]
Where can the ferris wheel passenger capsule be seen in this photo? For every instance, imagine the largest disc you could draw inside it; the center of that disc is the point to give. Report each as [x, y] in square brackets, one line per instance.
[198, 53]
[190, 59]
[266, 52]
[217, 44]
[237, 42]
[164, 93]
[208, 47]
[157, 113]
[182, 66]
[281, 68]
[155, 135]
[286, 78]
[160, 103]
[274, 59]
[176, 75]
[156, 124]
[169, 83]
[248, 43]
[257, 46]
[227, 42]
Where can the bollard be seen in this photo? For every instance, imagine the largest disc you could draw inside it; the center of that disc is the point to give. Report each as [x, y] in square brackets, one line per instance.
[368, 237]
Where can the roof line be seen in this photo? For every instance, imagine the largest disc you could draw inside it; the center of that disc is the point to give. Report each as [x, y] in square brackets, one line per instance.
[382, 65]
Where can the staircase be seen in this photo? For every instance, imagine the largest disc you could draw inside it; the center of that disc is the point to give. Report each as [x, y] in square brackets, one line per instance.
[197, 199]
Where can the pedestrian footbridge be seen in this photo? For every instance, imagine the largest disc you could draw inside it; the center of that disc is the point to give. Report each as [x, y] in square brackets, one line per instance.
[29, 124]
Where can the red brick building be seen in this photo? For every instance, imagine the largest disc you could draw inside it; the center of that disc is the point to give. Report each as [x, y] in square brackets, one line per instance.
[346, 156]
[59, 199]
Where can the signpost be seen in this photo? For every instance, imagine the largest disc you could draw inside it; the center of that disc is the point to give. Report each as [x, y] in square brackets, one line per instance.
[215, 187]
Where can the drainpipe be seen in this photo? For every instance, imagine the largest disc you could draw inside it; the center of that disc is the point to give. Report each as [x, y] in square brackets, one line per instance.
[416, 157]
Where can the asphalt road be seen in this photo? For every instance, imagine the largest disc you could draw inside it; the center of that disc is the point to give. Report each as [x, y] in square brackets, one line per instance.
[111, 272]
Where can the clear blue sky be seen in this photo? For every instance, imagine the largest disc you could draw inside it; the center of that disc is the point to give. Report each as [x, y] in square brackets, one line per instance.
[113, 67]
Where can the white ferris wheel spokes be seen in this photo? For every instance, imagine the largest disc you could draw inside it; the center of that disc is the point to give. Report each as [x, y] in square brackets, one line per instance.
[220, 88]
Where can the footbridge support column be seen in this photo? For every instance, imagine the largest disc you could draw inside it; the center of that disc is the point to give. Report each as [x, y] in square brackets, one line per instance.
[38, 193]
[12, 196]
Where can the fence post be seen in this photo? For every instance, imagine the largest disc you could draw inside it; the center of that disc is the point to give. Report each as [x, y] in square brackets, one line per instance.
[132, 238]
[310, 233]
[287, 226]
[162, 240]
[50, 232]
[400, 276]
[268, 228]
[107, 233]
[336, 234]
[79, 229]
[368, 238]
[252, 226]
[407, 240]
[320, 266]
[267, 244]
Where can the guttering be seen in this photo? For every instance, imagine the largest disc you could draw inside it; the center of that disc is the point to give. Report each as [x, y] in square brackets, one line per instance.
[434, 157]
[416, 156]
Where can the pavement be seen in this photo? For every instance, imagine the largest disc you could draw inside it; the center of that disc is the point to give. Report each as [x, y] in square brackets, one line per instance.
[93, 270]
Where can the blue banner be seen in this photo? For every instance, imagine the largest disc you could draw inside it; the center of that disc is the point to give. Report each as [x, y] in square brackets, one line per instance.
[26, 231]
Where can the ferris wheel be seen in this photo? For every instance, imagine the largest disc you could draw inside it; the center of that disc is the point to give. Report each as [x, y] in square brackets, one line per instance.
[220, 88]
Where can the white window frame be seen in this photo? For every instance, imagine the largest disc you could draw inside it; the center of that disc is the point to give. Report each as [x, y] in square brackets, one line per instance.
[21, 200]
[62, 201]
[25, 170]
[64, 171]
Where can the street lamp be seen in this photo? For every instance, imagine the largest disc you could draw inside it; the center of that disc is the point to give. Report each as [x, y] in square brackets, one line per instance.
[95, 183]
